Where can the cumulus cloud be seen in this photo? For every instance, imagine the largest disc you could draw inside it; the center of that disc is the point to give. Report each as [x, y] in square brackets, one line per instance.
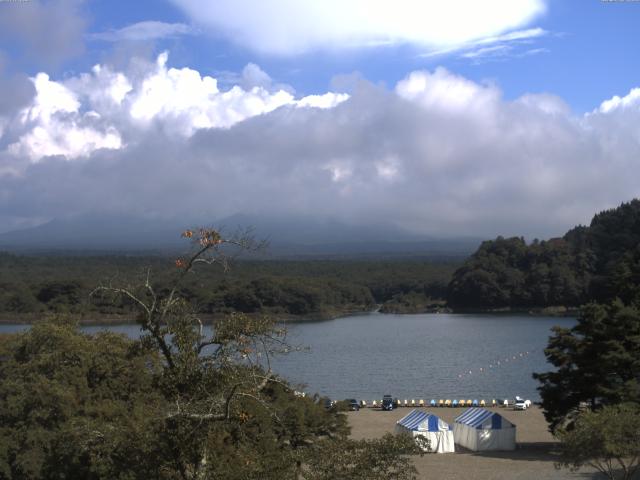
[55, 125]
[142, 31]
[287, 27]
[631, 100]
[75, 117]
[439, 154]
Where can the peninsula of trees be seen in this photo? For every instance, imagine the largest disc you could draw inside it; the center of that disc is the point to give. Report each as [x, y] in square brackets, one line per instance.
[598, 262]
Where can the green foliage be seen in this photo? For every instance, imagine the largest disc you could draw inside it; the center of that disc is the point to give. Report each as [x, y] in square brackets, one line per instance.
[378, 459]
[597, 362]
[178, 403]
[313, 288]
[510, 273]
[75, 406]
[607, 439]
[600, 262]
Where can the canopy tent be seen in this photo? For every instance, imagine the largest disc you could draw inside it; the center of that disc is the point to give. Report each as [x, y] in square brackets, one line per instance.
[430, 426]
[479, 429]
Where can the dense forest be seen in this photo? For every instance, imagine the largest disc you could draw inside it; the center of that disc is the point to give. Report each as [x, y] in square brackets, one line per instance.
[598, 262]
[33, 285]
[595, 263]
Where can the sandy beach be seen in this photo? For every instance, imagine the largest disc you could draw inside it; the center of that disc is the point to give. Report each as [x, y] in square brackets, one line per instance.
[534, 459]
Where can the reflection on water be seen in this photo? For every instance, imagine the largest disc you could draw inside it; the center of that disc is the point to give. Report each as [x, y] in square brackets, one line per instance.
[411, 356]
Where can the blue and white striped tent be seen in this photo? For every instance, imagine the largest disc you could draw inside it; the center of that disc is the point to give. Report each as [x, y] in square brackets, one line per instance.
[479, 429]
[438, 432]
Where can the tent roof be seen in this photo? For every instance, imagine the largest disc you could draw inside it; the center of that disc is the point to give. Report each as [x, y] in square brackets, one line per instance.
[477, 417]
[423, 421]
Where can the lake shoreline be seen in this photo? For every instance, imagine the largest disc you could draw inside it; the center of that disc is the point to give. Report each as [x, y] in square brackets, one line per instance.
[208, 319]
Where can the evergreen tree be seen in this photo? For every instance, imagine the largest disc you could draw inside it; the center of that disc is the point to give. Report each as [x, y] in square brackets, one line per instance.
[597, 362]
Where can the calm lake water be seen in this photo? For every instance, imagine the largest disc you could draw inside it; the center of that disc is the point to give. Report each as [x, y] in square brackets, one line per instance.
[412, 356]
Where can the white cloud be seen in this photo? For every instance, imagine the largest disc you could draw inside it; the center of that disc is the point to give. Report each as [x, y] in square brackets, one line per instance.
[95, 110]
[55, 125]
[447, 92]
[438, 154]
[326, 100]
[513, 36]
[482, 52]
[66, 139]
[286, 27]
[51, 97]
[628, 101]
[147, 30]
[191, 102]
[494, 46]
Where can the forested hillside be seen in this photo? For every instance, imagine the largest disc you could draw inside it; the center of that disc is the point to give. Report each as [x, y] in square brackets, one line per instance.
[595, 263]
[33, 285]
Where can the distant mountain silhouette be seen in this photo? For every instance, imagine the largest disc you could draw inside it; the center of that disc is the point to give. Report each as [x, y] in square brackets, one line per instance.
[287, 236]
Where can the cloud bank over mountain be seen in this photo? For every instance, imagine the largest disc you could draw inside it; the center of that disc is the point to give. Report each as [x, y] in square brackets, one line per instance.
[437, 154]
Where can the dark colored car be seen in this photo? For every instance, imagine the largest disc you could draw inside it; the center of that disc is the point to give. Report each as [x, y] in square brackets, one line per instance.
[354, 406]
[388, 403]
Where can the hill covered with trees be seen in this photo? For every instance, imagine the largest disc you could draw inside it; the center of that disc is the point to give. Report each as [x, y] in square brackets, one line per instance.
[32, 285]
[598, 262]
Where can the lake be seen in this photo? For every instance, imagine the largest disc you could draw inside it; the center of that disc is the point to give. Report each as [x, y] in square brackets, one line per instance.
[412, 356]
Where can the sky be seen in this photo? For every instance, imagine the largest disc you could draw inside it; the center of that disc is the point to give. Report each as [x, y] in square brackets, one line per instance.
[457, 118]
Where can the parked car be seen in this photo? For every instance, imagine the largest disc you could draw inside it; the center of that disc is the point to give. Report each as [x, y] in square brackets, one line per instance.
[354, 406]
[520, 404]
[328, 403]
[388, 403]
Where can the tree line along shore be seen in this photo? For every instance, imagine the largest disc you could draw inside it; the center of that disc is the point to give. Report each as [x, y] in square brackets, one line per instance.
[598, 262]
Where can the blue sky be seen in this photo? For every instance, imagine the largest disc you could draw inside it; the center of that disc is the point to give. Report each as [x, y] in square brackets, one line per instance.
[588, 53]
[441, 118]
